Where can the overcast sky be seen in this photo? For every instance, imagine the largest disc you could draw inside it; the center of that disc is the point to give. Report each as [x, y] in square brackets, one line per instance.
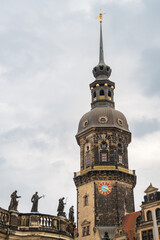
[47, 51]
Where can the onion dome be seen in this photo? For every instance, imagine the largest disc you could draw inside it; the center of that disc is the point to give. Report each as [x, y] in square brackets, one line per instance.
[105, 117]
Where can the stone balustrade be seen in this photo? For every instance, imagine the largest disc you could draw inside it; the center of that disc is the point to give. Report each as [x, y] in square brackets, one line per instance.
[37, 222]
[4, 217]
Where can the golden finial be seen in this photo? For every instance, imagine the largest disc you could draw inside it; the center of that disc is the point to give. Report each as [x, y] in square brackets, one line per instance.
[100, 16]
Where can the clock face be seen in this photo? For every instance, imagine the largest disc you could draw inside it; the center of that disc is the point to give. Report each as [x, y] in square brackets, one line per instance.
[104, 188]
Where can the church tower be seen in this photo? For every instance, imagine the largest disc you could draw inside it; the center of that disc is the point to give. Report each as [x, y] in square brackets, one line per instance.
[104, 183]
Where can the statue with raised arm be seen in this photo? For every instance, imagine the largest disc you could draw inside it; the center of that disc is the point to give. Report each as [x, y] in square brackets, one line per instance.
[14, 203]
[71, 214]
[60, 208]
[34, 200]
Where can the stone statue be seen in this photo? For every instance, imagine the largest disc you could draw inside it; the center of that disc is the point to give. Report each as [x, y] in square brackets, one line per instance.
[14, 203]
[71, 214]
[60, 208]
[34, 200]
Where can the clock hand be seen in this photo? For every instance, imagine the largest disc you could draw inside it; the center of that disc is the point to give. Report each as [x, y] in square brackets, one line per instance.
[105, 188]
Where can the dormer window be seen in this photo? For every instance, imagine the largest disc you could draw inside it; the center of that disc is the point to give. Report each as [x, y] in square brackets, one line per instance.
[149, 216]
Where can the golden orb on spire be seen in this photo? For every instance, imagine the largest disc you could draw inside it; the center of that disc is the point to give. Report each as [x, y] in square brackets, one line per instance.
[100, 16]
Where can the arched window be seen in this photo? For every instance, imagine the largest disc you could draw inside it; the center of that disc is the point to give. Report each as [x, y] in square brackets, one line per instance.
[85, 200]
[101, 93]
[158, 213]
[149, 216]
[94, 94]
[109, 93]
[120, 149]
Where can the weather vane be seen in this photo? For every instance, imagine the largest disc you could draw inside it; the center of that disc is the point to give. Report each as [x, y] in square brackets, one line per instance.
[100, 16]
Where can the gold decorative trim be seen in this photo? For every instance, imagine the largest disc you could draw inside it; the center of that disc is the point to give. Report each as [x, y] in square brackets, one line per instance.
[85, 170]
[125, 170]
[104, 167]
[102, 97]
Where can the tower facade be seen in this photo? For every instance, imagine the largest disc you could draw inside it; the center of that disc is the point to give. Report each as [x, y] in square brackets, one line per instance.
[104, 183]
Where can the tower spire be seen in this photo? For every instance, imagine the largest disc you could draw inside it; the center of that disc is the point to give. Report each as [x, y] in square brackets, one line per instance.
[101, 71]
[101, 55]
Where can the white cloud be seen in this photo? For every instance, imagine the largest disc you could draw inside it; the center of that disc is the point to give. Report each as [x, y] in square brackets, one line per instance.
[48, 49]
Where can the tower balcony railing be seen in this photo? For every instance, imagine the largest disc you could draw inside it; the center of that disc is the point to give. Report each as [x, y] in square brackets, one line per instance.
[104, 168]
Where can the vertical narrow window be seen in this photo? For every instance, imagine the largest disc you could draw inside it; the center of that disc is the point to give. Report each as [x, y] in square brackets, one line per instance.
[86, 200]
[120, 148]
[144, 235]
[88, 230]
[101, 93]
[159, 232]
[87, 157]
[94, 96]
[84, 231]
[109, 95]
[147, 235]
[120, 159]
[150, 234]
[158, 213]
[104, 157]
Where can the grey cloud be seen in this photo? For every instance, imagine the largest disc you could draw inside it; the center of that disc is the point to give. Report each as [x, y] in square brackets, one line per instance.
[144, 126]
[150, 72]
[48, 50]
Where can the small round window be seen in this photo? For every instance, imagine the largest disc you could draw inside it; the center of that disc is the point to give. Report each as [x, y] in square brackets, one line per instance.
[103, 119]
[85, 123]
[120, 121]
